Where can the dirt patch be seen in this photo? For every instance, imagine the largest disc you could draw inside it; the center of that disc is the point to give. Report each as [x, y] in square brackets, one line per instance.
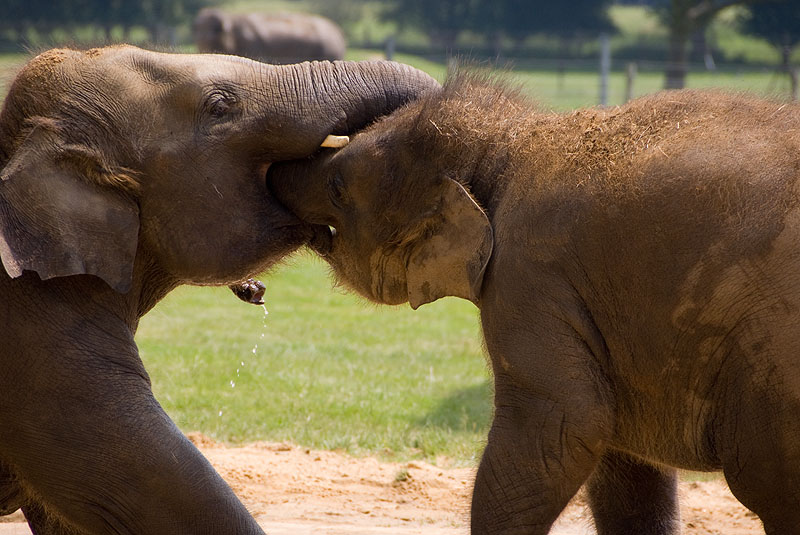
[300, 491]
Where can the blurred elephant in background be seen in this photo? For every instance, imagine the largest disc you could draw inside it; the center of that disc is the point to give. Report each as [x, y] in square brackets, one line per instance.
[123, 174]
[278, 38]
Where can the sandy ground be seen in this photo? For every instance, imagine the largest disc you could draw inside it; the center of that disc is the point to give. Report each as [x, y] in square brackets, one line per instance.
[299, 491]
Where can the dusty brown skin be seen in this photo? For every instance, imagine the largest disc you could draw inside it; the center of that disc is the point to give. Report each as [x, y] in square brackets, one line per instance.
[124, 173]
[638, 275]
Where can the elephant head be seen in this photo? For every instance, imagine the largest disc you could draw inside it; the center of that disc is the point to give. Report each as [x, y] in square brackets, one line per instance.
[212, 30]
[390, 216]
[119, 157]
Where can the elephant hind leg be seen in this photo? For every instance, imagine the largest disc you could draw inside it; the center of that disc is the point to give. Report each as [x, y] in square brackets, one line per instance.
[628, 496]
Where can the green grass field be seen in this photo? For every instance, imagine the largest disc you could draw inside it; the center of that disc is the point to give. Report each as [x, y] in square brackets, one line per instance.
[325, 369]
[322, 369]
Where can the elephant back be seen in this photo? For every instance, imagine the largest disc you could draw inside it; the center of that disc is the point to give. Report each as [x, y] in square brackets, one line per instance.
[279, 38]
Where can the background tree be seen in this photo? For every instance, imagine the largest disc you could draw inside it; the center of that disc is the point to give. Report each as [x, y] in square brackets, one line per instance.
[777, 21]
[519, 19]
[442, 20]
[683, 18]
[44, 16]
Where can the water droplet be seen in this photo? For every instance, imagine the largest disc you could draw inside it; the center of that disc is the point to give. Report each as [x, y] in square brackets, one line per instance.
[233, 384]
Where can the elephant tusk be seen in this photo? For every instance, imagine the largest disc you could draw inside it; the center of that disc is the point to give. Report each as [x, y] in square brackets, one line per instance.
[335, 142]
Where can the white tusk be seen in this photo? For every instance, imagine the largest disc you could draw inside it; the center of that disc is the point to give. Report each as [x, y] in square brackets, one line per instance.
[335, 142]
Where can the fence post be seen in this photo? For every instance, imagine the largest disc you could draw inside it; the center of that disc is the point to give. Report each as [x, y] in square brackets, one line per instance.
[390, 43]
[630, 78]
[605, 67]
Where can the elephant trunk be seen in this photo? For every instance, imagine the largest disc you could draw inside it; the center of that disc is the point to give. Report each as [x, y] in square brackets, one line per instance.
[338, 97]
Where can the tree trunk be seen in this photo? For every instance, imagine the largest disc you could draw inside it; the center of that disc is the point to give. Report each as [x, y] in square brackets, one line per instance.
[683, 18]
[677, 66]
[786, 52]
[496, 40]
[444, 39]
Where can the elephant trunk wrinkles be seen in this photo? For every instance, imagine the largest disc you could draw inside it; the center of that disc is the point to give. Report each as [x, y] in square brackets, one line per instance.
[341, 97]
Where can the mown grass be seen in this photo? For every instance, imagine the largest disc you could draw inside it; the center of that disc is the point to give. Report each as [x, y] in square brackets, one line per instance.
[576, 89]
[322, 369]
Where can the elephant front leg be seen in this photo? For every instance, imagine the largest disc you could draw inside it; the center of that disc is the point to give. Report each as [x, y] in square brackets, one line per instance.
[43, 523]
[540, 451]
[629, 496]
[113, 462]
[11, 496]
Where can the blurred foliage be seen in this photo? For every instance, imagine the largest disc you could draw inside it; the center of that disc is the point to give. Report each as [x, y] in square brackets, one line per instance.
[778, 22]
[444, 20]
[521, 31]
[687, 19]
[51, 13]
[40, 18]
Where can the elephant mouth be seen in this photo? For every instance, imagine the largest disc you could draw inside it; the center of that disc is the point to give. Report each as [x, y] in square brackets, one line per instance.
[318, 237]
[289, 219]
[322, 240]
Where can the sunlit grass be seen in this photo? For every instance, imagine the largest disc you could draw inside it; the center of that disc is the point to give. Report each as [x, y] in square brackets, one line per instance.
[323, 369]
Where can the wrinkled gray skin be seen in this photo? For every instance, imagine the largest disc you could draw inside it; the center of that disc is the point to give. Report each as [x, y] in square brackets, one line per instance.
[279, 38]
[638, 275]
[124, 173]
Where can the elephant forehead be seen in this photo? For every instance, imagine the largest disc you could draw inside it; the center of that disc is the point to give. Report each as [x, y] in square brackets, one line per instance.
[168, 67]
[40, 75]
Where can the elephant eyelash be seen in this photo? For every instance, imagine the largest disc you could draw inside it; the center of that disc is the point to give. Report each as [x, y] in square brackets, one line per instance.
[220, 103]
[336, 192]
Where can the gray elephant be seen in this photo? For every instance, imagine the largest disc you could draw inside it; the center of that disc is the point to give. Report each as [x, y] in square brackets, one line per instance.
[278, 38]
[637, 271]
[124, 173]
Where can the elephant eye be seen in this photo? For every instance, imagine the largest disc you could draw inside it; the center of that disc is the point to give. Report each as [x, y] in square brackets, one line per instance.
[336, 191]
[220, 103]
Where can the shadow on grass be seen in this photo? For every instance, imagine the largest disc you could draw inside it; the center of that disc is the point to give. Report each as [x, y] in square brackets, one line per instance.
[469, 409]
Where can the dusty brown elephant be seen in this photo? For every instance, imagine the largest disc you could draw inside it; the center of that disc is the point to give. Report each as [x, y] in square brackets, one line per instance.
[124, 173]
[637, 270]
[279, 38]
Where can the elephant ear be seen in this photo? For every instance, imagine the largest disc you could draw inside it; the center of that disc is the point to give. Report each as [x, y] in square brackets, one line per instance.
[451, 259]
[58, 218]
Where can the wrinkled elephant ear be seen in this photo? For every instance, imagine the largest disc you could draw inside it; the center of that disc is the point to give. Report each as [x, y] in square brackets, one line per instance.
[451, 259]
[58, 218]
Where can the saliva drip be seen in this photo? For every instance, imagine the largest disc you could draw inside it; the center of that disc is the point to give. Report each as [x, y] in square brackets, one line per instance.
[254, 351]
